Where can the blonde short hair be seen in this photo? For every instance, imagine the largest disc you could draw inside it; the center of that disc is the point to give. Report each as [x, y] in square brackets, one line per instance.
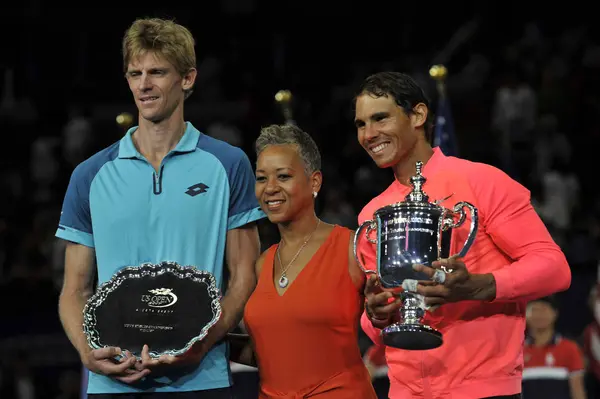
[166, 38]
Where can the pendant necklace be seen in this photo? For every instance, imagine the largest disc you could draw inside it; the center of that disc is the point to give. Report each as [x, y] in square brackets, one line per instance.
[283, 280]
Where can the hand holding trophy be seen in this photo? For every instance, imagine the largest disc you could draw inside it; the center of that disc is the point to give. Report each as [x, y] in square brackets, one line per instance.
[413, 232]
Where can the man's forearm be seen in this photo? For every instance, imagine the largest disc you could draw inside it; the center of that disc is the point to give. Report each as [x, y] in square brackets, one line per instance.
[70, 309]
[232, 307]
[233, 303]
[577, 386]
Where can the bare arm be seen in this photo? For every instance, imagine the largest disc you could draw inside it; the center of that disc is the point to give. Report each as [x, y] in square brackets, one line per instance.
[356, 274]
[242, 252]
[577, 386]
[76, 290]
[577, 369]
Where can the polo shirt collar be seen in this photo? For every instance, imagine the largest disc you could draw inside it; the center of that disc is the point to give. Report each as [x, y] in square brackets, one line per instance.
[187, 143]
[431, 166]
[435, 162]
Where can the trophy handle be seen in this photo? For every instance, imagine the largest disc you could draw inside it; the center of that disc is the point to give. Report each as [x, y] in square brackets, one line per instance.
[459, 208]
[369, 224]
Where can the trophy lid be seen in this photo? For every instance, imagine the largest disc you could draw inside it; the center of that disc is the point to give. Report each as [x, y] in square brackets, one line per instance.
[417, 181]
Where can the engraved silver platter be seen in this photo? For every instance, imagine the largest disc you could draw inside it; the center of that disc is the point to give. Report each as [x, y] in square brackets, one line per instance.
[166, 306]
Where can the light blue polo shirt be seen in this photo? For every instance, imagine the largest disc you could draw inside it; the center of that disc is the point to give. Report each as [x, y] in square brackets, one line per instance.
[118, 204]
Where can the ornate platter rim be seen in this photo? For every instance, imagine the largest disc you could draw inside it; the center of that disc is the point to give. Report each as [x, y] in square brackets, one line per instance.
[151, 269]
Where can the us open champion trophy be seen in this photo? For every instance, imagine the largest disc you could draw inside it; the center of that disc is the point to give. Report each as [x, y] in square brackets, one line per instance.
[414, 231]
[166, 306]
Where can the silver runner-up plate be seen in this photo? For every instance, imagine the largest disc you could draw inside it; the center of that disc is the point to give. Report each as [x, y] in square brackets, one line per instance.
[165, 306]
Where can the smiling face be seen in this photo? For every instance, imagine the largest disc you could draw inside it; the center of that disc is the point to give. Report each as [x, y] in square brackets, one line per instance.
[157, 88]
[283, 189]
[385, 130]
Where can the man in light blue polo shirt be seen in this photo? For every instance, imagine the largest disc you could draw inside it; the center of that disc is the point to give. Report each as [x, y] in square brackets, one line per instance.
[164, 192]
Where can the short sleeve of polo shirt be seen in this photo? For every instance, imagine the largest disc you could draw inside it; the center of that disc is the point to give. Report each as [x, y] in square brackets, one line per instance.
[243, 205]
[75, 222]
[75, 219]
[575, 358]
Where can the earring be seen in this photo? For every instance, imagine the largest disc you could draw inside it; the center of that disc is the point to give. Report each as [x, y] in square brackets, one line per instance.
[314, 194]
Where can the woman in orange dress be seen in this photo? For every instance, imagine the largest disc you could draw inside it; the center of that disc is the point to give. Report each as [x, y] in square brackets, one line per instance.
[303, 316]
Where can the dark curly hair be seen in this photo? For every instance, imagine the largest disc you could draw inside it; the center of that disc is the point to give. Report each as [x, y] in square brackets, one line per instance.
[405, 91]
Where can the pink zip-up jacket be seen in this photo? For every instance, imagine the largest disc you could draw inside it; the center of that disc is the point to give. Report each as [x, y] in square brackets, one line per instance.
[482, 353]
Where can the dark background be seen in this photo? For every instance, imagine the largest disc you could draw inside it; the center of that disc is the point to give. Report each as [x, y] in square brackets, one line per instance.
[523, 85]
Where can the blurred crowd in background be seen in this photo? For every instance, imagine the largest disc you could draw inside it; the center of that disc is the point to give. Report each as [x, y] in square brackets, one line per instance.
[526, 101]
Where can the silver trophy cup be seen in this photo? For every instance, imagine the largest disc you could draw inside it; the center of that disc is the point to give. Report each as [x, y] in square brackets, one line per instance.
[414, 231]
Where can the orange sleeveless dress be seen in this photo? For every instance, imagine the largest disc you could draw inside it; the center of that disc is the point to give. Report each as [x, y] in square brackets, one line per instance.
[306, 340]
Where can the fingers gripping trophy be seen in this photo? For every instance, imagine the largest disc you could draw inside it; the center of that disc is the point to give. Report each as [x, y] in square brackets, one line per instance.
[408, 233]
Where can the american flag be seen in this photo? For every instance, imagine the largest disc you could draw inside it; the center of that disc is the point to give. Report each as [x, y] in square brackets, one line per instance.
[443, 134]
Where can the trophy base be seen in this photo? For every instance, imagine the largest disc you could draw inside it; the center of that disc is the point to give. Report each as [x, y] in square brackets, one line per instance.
[411, 337]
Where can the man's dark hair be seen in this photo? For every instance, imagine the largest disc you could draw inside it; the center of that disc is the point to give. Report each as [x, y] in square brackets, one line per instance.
[405, 91]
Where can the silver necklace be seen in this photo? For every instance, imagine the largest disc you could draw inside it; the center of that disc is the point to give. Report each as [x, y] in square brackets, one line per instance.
[283, 280]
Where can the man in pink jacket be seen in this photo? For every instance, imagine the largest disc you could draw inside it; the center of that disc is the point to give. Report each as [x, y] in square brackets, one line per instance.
[481, 305]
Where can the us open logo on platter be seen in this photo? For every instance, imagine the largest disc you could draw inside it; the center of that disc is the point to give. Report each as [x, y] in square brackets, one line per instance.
[159, 300]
